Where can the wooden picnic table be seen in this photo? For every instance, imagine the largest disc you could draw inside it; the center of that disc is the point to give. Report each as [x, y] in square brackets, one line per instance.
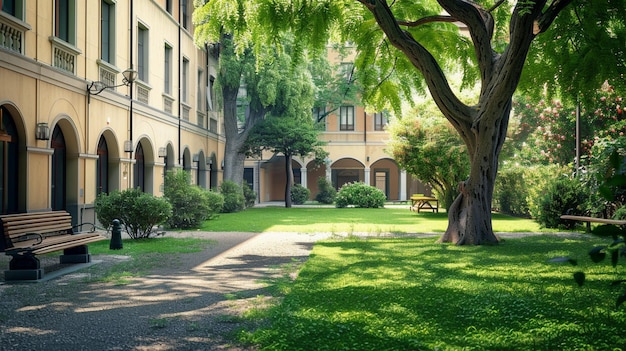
[421, 202]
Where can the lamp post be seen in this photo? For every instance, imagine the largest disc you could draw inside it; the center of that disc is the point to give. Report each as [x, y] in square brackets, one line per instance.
[97, 87]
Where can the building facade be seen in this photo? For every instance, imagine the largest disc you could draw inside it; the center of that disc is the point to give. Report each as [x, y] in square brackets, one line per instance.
[355, 140]
[102, 95]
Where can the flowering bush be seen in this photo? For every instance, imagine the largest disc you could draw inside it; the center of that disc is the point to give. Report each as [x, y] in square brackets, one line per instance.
[360, 194]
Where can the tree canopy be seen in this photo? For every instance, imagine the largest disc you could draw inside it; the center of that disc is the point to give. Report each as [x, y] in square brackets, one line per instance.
[405, 48]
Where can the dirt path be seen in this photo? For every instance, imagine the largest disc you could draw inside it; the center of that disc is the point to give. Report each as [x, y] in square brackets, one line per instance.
[192, 303]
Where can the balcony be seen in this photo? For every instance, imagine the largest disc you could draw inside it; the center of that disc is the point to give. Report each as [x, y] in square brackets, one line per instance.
[12, 33]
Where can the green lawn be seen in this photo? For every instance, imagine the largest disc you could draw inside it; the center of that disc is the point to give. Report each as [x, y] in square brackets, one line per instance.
[413, 294]
[349, 220]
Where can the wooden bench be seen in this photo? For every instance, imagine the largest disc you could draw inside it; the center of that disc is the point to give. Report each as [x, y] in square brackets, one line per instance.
[27, 235]
[590, 220]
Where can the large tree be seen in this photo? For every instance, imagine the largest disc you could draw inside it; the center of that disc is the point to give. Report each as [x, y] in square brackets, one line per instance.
[398, 43]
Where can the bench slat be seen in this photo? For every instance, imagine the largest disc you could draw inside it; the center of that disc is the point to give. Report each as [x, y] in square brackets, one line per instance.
[68, 244]
[594, 219]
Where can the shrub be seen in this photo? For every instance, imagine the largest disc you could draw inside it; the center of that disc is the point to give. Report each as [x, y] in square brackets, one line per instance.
[511, 192]
[360, 194]
[299, 194]
[216, 203]
[234, 200]
[190, 204]
[327, 192]
[564, 195]
[137, 211]
[249, 195]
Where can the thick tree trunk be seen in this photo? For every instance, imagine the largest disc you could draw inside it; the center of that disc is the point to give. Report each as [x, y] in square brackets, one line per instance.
[233, 158]
[469, 217]
[289, 182]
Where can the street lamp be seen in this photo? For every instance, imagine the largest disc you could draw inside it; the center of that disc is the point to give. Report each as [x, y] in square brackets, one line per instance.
[95, 88]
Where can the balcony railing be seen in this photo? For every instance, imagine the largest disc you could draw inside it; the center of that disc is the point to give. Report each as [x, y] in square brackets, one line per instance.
[12, 33]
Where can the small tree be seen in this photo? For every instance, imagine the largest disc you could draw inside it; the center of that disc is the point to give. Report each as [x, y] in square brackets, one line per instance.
[429, 148]
[289, 136]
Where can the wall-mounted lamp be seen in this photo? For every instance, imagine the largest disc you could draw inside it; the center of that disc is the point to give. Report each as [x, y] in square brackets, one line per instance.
[196, 158]
[162, 152]
[128, 146]
[209, 161]
[222, 164]
[42, 132]
[95, 88]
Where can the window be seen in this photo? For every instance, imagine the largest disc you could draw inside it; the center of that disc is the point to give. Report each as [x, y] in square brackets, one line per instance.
[185, 13]
[346, 69]
[168, 6]
[380, 121]
[14, 8]
[142, 53]
[346, 118]
[185, 80]
[167, 74]
[107, 31]
[65, 20]
[200, 85]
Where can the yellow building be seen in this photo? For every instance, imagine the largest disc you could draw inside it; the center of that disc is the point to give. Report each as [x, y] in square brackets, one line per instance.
[101, 95]
[355, 141]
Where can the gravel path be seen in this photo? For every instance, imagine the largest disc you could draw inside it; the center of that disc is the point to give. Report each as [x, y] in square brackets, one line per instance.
[194, 303]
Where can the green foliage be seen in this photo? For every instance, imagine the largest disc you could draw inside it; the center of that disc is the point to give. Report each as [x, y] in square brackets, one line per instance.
[428, 147]
[249, 195]
[138, 212]
[299, 194]
[234, 201]
[326, 191]
[511, 191]
[190, 204]
[563, 195]
[569, 53]
[360, 195]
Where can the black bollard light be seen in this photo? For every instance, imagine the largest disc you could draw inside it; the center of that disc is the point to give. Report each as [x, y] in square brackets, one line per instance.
[116, 236]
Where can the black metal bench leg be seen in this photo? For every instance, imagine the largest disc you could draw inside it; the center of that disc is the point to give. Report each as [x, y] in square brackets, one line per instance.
[78, 254]
[24, 267]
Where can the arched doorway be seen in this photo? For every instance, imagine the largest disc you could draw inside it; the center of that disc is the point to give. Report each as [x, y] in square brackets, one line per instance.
[139, 169]
[59, 170]
[102, 167]
[9, 163]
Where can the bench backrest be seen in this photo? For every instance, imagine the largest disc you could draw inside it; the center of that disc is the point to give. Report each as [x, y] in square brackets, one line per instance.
[45, 223]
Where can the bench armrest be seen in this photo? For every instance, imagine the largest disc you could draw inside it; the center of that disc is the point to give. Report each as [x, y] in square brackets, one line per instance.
[29, 236]
[92, 228]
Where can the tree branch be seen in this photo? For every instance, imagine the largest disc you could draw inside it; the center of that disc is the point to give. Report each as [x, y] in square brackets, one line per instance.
[421, 58]
[546, 19]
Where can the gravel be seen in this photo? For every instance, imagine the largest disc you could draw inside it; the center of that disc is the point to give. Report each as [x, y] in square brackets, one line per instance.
[194, 303]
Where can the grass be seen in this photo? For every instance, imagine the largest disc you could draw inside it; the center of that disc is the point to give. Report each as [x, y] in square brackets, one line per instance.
[350, 220]
[146, 254]
[413, 294]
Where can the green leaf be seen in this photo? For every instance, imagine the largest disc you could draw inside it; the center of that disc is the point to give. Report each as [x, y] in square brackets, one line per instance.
[579, 277]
